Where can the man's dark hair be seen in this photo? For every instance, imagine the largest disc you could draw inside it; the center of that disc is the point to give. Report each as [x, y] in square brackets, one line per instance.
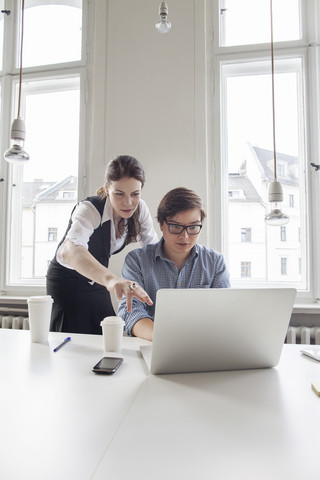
[178, 200]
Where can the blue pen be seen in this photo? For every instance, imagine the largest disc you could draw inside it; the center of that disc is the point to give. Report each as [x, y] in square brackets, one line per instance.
[66, 340]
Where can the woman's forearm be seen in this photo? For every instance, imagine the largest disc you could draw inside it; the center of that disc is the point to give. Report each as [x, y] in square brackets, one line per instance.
[84, 263]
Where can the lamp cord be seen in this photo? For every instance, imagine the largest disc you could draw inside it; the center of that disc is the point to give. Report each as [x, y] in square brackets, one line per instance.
[273, 102]
[21, 49]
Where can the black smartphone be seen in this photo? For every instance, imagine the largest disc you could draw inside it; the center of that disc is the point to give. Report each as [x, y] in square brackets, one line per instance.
[108, 365]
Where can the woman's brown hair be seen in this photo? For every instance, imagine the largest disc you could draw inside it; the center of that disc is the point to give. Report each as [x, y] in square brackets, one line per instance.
[118, 168]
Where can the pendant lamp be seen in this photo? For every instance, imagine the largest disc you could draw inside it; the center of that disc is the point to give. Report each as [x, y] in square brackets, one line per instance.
[275, 194]
[17, 154]
[163, 26]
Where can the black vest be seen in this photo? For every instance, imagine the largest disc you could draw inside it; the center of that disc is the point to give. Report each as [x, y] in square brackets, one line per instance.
[99, 242]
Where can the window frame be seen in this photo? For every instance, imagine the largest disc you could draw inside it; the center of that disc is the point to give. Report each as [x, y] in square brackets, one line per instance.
[9, 78]
[308, 48]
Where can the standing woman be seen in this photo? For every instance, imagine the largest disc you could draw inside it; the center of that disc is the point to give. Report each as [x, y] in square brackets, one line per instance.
[78, 278]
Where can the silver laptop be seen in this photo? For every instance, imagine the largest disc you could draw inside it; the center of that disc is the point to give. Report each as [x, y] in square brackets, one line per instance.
[198, 330]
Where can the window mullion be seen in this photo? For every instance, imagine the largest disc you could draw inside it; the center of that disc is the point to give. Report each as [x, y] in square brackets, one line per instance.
[5, 174]
[314, 148]
[9, 36]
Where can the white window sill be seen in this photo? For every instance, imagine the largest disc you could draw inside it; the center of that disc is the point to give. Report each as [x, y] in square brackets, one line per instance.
[311, 308]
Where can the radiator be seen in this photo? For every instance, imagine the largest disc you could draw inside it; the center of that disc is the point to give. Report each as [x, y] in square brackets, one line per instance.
[303, 335]
[16, 323]
[14, 313]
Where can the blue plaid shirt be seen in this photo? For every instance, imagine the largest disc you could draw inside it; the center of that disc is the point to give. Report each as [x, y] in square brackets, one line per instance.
[204, 268]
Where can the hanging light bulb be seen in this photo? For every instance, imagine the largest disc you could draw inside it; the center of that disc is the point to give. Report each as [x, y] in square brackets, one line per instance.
[275, 193]
[16, 154]
[275, 197]
[163, 26]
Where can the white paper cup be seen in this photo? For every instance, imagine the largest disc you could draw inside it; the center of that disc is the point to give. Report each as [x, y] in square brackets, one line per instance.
[112, 331]
[39, 309]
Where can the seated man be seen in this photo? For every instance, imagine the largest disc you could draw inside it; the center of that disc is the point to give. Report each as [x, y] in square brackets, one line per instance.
[176, 261]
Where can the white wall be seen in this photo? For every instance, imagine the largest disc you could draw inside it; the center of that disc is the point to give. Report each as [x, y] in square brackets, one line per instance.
[154, 96]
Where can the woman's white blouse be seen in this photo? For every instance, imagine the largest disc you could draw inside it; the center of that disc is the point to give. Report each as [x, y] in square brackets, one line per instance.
[86, 218]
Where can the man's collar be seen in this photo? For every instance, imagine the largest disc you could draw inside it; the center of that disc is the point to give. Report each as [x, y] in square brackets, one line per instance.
[159, 251]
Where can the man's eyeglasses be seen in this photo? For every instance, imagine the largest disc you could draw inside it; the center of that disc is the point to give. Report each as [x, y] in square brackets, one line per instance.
[177, 229]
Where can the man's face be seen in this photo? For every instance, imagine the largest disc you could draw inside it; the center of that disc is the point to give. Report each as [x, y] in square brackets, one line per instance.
[182, 243]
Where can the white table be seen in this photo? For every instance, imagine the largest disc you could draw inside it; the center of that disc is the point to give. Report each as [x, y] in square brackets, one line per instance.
[57, 417]
[252, 425]
[59, 420]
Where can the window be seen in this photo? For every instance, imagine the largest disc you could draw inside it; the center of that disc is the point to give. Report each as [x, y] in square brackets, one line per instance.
[251, 15]
[299, 265]
[41, 192]
[283, 266]
[245, 234]
[68, 195]
[245, 269]
[291, 200]
[52, 234]
[62, 48]
[280, 169]
[244, 139]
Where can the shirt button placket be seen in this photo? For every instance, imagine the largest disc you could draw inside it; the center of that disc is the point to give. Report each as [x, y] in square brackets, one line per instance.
[180, 281]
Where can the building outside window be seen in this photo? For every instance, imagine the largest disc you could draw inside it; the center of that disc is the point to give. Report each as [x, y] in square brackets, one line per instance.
[52, 234]
[283, 266]
[245, 234]
[281, 170]
[283, 234]
[299, 263]
[291, 200]
[68, 195]
[245, 269]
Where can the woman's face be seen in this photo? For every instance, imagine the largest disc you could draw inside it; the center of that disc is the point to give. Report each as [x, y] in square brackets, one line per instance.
[124, 196]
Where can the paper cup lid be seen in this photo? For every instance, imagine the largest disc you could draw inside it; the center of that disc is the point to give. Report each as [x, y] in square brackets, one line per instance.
[40, 299]
[112, 321]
